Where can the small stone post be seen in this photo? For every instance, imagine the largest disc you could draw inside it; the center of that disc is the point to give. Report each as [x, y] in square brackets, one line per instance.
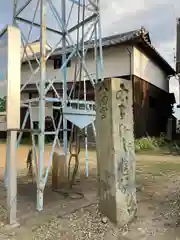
[115, 150]
[59, 175]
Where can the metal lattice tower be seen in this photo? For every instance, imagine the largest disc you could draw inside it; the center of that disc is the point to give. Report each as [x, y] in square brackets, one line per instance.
[69, 28]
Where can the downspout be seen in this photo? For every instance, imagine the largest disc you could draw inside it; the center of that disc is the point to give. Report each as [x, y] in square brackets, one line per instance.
[168, 79]
[131, 64]
[131, 67]
[131, 70]
[178, 76]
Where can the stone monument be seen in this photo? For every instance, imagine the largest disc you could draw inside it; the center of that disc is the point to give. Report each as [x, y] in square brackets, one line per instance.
[115, 150]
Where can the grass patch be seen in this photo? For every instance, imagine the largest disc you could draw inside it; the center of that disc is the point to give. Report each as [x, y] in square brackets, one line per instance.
[155, 173]
[158, 169]
[166, 167]
[157, 145]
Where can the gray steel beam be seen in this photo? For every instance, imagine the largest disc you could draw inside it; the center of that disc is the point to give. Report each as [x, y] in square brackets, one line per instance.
[22, 8]
[87, 20]
[38, 25]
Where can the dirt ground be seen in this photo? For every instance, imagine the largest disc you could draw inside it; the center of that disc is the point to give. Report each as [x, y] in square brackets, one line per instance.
[158, 194]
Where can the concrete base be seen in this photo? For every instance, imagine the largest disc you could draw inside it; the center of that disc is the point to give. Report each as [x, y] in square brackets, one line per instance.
[12, 226]
[115, 150]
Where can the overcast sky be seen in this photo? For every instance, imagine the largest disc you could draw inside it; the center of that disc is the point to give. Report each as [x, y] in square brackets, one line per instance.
[157, 16]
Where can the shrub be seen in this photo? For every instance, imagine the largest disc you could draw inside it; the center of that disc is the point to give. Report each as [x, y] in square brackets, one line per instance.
[151, 143]
[145, 144]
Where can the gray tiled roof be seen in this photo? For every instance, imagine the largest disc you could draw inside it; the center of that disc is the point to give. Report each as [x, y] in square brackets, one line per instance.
[115, 39]
[126, 37]
[139, 37]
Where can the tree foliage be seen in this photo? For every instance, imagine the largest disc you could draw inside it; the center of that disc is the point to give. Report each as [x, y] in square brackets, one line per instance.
[3, 104]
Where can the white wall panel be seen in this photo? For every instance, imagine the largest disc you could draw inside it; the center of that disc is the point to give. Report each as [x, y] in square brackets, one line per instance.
[146, 69]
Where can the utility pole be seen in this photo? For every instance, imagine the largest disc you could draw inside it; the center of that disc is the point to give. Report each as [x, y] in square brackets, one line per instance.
[178, 54]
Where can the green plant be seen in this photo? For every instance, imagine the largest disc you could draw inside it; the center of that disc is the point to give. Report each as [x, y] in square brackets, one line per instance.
[145, 143]
[151, 143]
[3, 104]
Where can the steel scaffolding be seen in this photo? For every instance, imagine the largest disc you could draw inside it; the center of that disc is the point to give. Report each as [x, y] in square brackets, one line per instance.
[69, 28]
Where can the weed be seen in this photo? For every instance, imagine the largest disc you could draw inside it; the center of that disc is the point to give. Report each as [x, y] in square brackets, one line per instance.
[151, 143]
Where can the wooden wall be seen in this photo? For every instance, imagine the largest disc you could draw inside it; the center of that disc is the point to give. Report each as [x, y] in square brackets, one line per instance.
[151, 108]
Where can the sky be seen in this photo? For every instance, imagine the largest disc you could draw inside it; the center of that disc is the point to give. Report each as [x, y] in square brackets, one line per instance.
[157, 16]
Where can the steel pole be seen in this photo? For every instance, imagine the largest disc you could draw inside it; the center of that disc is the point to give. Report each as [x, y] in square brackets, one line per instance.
[64, 70]
[100, 42]
[85, 96]
[41, 138]
[14, 12]
[11, 177]
[5, 172]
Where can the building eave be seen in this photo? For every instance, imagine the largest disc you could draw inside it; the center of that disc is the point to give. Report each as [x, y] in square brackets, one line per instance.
[139, 37]
[142, 39]
[156, 56]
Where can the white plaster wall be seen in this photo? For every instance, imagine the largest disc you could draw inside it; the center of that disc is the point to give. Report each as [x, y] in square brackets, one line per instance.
[24, 96]
[3, 122]
[146, 69]
[116, 63]
[35, 107]
[31, 49]
[26, 74]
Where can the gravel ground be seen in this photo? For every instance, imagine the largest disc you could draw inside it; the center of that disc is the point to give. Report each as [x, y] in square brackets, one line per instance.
[158, 212]
[84, 224]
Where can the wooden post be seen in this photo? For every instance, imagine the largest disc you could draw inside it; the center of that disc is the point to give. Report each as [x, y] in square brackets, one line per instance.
[59, 176]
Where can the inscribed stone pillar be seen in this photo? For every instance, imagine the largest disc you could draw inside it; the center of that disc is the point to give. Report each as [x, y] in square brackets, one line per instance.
[115, 150]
